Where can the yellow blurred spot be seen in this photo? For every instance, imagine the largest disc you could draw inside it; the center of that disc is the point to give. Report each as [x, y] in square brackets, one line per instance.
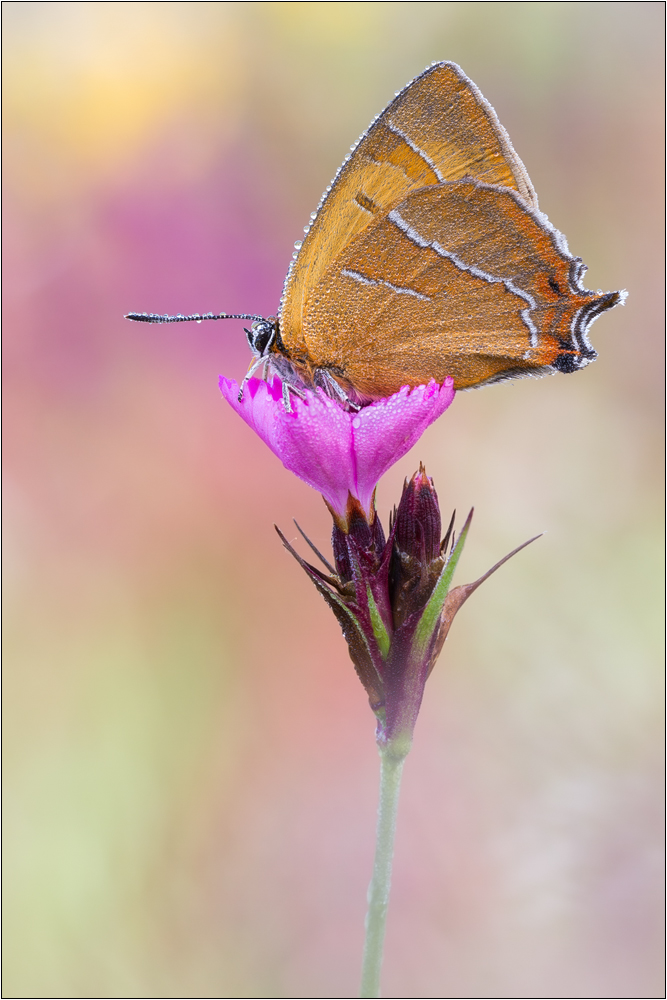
[99, 81]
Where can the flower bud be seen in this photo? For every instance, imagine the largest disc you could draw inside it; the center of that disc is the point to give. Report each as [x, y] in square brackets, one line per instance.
[393, 600]
[417, 519]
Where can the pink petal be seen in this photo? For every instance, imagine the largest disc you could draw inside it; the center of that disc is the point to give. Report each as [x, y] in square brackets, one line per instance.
[330, 449]
[387, 429]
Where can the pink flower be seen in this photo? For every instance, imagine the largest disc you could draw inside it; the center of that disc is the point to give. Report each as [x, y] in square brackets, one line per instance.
[339, 453]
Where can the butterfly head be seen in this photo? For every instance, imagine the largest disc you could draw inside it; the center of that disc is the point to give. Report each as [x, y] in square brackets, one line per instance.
[262, 336]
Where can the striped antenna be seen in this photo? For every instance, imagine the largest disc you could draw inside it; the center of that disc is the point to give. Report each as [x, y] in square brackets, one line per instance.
[179, 318]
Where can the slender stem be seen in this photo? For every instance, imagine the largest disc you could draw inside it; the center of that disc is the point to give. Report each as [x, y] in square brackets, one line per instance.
[391, 768]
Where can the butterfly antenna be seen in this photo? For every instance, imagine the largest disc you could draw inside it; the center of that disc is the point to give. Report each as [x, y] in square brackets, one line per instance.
[180, 318]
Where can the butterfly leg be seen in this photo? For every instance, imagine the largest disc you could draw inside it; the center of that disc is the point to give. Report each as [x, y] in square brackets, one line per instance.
[292, 383]
[324, 380]
[257, 363]
[287, 402]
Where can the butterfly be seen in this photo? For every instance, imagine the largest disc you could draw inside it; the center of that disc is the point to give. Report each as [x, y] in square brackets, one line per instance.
[427, 257]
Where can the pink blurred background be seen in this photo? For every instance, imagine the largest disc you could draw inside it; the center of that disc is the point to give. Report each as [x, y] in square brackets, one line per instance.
[190, 764]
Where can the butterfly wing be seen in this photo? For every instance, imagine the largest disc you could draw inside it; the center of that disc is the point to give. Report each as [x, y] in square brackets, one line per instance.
[461, 279]
[439, 128]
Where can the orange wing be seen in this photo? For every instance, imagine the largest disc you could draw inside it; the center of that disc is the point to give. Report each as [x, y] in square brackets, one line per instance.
[438, 128]
[460, 279]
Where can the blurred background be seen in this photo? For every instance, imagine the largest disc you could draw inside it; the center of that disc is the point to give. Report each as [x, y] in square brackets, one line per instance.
[190, 764]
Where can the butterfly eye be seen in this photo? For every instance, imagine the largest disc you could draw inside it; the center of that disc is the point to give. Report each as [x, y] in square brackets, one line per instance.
[261, 335]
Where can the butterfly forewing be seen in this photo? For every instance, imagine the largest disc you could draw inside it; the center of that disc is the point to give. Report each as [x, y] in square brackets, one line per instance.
[446, 117]
[439, 128]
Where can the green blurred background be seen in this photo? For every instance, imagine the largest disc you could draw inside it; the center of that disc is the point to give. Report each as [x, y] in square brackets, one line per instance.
[190, 765]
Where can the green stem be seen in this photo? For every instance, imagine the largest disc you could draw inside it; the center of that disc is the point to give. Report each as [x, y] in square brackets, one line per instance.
[391, 768]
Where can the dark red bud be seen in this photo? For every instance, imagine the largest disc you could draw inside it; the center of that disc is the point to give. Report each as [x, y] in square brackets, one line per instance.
[418, 522]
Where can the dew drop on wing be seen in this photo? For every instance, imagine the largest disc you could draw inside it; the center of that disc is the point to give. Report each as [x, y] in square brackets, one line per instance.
[298, 244]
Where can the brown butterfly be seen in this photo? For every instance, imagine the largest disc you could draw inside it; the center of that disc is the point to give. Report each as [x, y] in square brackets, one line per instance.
[427, 257]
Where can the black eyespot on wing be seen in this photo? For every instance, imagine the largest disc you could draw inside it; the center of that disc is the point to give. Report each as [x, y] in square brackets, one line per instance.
[554, 286]
[566, 363]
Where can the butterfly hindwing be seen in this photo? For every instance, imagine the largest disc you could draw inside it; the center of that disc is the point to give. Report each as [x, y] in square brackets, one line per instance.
[459, 279]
